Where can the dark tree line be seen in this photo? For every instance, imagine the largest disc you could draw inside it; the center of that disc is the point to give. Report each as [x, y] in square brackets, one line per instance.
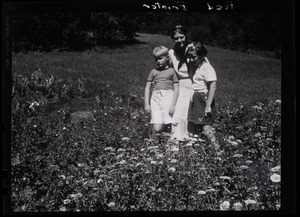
[81, 30]
[236, 31]
[71, 31]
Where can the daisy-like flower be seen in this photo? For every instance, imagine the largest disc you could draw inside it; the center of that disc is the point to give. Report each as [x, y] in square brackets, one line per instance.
[122, 162]
[121, 150]
[217, 184]
[173, 161]
[159, 156]
[234, 143]
[173, 149]
[108, 149]
[171, 169]
[111, 204]
[249, 162]
[125, 139]
[249, 201]
[244, 167]
[225, 177]
[275, 178]
[257, 107]
[153, 162]
[201, 192]
[210, 190]
[188, 145]
[67, 201]
[80, 164]
[225, 205]
[257, 134]
[63, 209]
[237, 206]
[237, 155]
[276, 169]
[76, 196]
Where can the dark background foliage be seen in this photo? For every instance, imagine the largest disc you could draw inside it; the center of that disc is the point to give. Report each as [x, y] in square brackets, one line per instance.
[37, 31]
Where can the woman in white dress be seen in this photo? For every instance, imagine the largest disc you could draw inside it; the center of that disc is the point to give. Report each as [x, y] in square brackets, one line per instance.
[178, 60]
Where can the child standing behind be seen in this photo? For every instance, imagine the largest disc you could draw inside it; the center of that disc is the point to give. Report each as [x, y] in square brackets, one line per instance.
[201, 113]
[164, 82]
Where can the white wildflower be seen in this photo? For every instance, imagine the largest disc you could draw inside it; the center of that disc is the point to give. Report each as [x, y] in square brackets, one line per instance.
[244, 167]
[172, 169]
[201, 192]
[125, 139]
[249, 201]
[225, 177]
[225, 205]
[237, 206]
[237, 155]
[275, 178]
[111, 204]
[173, 161]
[276, 169]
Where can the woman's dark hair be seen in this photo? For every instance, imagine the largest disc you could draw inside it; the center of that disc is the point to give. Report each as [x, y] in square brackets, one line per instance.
[182, 30]
[179, 29]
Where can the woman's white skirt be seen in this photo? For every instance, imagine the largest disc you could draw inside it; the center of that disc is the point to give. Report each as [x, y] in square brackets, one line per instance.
[180, 121]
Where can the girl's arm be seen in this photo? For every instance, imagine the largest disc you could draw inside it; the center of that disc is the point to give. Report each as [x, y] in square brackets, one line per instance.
[212, 86]
[147, 97]
[175, 97]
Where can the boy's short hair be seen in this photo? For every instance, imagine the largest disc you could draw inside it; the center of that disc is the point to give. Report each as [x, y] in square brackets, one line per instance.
[160, 51]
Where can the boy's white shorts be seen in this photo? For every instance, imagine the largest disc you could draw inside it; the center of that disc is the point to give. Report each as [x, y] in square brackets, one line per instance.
[160, 103]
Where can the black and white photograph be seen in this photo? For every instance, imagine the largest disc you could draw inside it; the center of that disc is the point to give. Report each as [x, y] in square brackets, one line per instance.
[129, 106]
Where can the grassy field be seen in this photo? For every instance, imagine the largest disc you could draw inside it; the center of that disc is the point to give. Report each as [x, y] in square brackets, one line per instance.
[242, 78]
[80, 135]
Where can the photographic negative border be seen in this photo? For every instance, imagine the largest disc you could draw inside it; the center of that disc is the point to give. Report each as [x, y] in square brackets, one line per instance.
[286, 7]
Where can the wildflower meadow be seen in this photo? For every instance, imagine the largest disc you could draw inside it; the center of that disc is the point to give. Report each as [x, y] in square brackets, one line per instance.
[80, 137]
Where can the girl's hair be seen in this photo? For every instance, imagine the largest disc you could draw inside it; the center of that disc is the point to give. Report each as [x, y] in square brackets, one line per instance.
[160, 51]
[201, 51]
[179, 29]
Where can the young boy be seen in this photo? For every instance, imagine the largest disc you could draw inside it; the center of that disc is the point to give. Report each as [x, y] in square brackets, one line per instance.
[164, 82]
